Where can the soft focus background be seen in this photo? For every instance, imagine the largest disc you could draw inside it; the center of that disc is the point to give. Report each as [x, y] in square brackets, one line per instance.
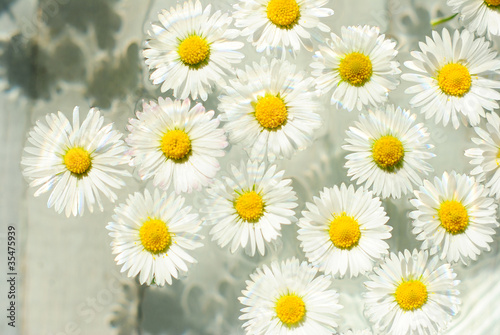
[55, 54]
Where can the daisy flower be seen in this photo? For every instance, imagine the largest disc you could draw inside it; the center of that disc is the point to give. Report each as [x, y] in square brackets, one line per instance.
[151, 234]
[289, 298]
[452, 79]
[487, 156]
[249, 209]
[173, 143]
[281, 24]
[389, 151]
[344, 231]
[411, 295]
[189, 50]
[76, 161]
[478, 16]
[270, 109]
[455, 218]
[359, 67]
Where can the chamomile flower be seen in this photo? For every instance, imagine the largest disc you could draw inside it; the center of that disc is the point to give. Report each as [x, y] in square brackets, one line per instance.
[249, 209]
[411, 295]
[455, 218]
[344, 231]
[480, 16]
[288, 298]
[359, 67]
[487, 156]
[452, 79]
[389, 151]
[176, 144]
[270, 109]
[151, 234]
[77, 161]
[281, 24]
[189, 50]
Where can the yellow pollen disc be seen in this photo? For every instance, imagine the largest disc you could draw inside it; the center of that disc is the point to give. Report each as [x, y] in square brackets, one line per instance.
[270, 111]
[290, 309]
[411, 295]
[194, 51]
[176, 144]
[492, 3]
[453, 216]
[155, 236]
[388, 152]
[454, 79]
[249, 206]
[356, 69]
[283, 13]
[344, 232]
[77, 160]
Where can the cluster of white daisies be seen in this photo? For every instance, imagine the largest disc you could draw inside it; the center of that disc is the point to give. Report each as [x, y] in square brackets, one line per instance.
[271, 109]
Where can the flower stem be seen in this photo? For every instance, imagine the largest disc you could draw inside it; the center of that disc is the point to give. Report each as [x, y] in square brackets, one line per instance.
[443, 20]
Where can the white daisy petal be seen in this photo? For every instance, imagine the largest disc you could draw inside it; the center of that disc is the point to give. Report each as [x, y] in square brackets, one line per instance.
[176, 144]
[288, 298]
[411, 295]
[486, 158]
[480, 16]
[359, 67]
[453, 80]
[349, 238]
[150, 235]
[75, 161]
[461, 224]
[189, 51]
[388, 152]
[270, 110]
[281, 24]
[247, 212]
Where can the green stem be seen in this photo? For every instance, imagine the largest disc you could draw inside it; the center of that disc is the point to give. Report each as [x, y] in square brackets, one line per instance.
[443, 20]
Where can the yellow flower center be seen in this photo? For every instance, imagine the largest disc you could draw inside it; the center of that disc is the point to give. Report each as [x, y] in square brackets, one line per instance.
[271, 111]
[155, 236]
[454, 79]
[388, 152]
[453, 216]
[249, 206]
[344, 232]
[492, 3]
[176, 144]
[290, 309]
[356, 69]
[411, 295]
[283, 13]
[194, 51]
[78, 161]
